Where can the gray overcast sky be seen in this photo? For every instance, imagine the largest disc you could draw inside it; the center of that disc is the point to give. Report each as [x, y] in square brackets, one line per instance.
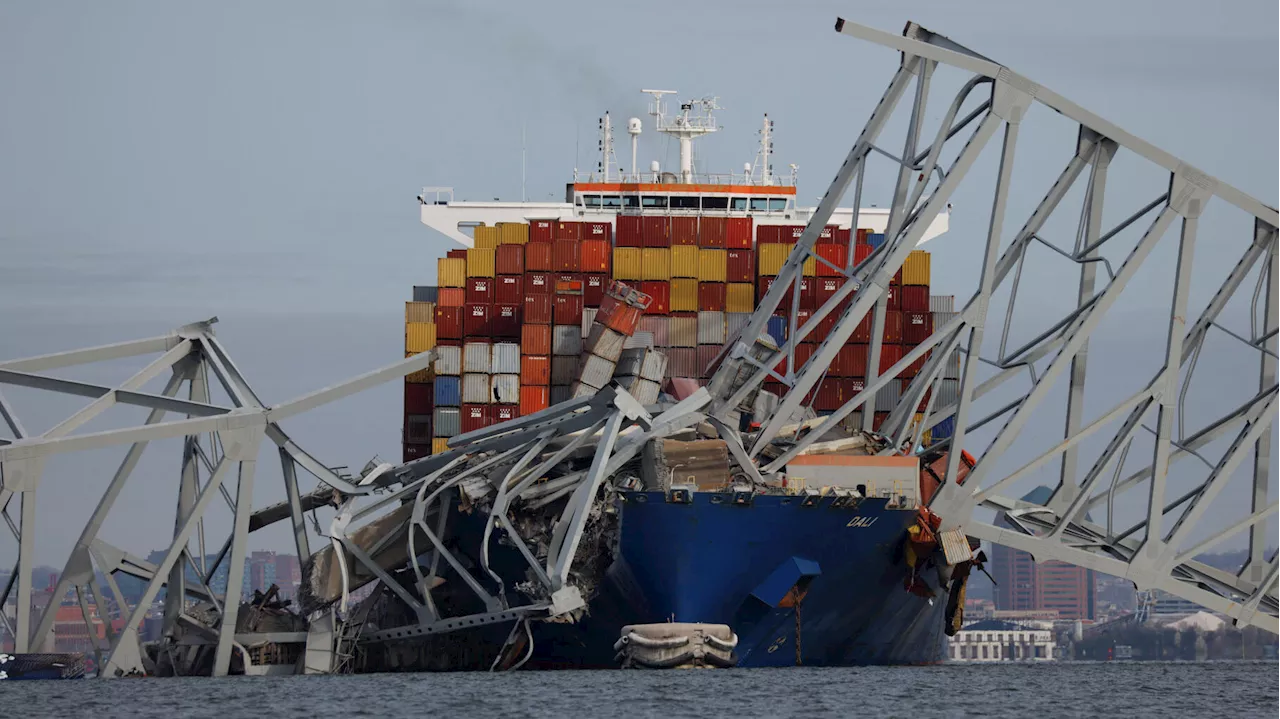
[165, 162]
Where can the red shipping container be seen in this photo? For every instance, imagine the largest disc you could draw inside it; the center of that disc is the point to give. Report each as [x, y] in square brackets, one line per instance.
[790, 233]
[837, 255]
[893, 327]
[602, 231]
[448, 322]
[537, 257]
[825, 325]
[535, 339]
[418, 398]
[656, 232]
[540, 230]
[808, 293]
[510, 259]
[569, 283]
[480, 290]
[414, 451]
[630, 231]
[863, 235]
[713, 231]
[894, 293]
[850, 361]
[877, 420]
[456, 254]
[505, 412]
[804, 352]
[534, 398]
[568, 309]
[535, 369]
[510, 290]
[475, 416]
[505, 321]
[711, 296]
[762, 286]
[842, 236]
[768, 234]
[477, 320]
[916, 327]
[593, 289]
[915, 298]
[567, 231]
[738, 233]
[825, 289]
[684, 230]
[682, 362]
[829, 395]
[567, 255]
[861, 253]
[802, 316]
[538, 283]
[889, 356]
[661, 294]
[537, 308]
[863, 331]
[595, 256]
[741, 266]
[451, 297]
[620, 317]
[706, 356]
[914, 368]
[827, 234]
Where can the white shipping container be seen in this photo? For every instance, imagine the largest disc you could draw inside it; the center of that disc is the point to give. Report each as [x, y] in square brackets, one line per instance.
[579, 390]
[566, 340]
[654, 367]
[447, 422]
[564, 370]
[942, 318]
[596, 371]
[952, 369]
[639, 339]
[506, 388]
[506, 358]
[448, 360]
[657, 326]
[734, 322]
[889, 395]
[477, 357]
[711, 328]
[942, 303]
[948, 393]
[645, 391]
[588, 319]
[682, 331]
[605, 342]
[475, 389]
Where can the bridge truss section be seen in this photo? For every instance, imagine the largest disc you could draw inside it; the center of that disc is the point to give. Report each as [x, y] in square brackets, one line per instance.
[1151, 464]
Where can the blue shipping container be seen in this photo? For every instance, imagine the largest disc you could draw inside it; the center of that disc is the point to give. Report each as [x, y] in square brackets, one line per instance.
[944, 429]
[875, 239]
[448, 391]
[777, 329]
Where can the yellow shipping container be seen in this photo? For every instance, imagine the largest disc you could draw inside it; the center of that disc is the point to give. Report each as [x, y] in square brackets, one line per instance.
[684, 295]
[740, 297]
[439, 445]
[712, 265]
[684, 261]
[810, 268]
[915, 271]
[513, 233]
[927, 438]
[486, 238]
[422, 376]
[419, 312]
[771, 257]
[451, 272]
[628, 263]
[481, 263]
[657, 264]
[419, 336]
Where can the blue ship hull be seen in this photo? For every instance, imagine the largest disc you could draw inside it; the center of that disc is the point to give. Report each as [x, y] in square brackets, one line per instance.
[716, 562]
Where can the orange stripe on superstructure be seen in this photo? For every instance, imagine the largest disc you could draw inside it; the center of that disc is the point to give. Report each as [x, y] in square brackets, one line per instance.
[848, 460]
[637, 187]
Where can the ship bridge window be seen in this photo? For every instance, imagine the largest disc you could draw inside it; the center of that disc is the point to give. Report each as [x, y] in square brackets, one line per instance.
[680, 202]
[715, 203]
[739, 204]
[777, 204]
[759, 204]
[611, 201]
[630, 201]
[591, 200]
[653, 201]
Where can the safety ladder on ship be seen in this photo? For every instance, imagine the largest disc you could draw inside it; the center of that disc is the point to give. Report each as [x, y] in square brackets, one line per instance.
[344, 653]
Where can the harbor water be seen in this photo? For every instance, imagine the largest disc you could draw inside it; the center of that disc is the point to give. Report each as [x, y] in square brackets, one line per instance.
[1045, 691]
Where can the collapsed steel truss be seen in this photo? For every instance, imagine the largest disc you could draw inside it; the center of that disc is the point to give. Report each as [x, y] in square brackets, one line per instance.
[1155, 553]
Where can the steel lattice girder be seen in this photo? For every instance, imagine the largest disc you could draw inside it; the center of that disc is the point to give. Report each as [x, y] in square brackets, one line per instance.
[1164, 559]
[190, 355]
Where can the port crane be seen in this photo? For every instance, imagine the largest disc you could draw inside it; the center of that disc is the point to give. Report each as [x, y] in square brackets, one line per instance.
[1081, 523]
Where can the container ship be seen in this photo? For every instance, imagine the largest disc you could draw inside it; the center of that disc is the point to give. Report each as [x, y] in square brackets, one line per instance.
[510, 317]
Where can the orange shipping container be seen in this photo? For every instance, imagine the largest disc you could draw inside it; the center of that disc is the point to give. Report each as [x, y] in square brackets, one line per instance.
[535, 339]
[452, 296]
[535, 370]
[533, 398]
[595, 256]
